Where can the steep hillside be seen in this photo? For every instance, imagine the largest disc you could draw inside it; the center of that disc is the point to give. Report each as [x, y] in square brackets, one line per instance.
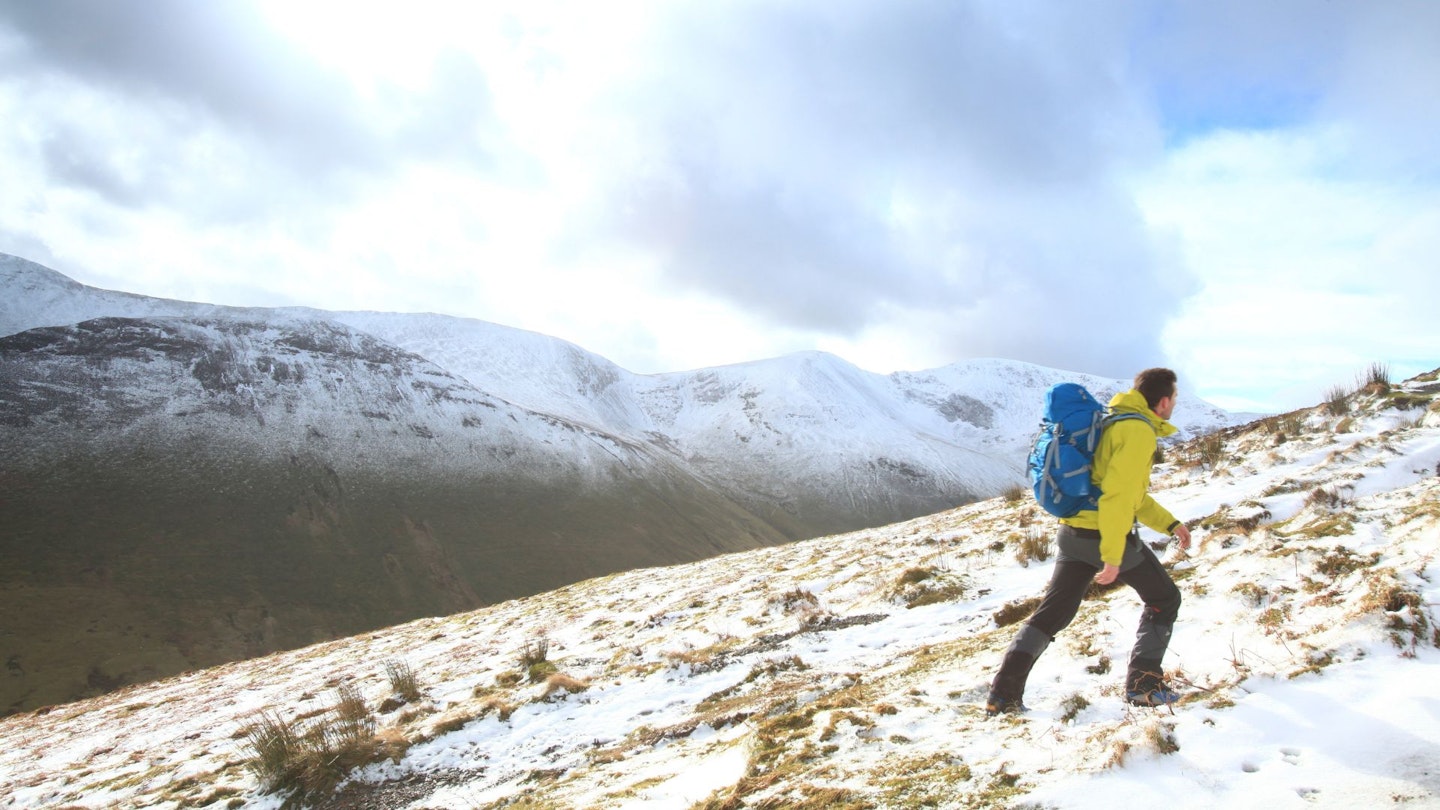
[810, 442]
[849, 671]
[192, 483]
[180, 492]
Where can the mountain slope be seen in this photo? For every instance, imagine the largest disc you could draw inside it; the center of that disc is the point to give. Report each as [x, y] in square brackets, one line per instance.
[204, 483]
[182, 492]
[847, 671]
[811, 442]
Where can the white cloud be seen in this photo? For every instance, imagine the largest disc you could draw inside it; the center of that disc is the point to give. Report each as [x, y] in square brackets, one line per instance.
[1246, 192]
[1310, 272]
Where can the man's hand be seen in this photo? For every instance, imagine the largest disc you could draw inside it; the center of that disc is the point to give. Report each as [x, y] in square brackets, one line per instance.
[1107, 574]
[1183, 533]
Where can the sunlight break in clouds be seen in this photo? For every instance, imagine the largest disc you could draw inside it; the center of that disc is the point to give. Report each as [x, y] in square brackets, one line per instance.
[675, 185]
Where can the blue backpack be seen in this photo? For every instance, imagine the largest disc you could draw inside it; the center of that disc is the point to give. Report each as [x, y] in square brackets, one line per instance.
[1061, 457]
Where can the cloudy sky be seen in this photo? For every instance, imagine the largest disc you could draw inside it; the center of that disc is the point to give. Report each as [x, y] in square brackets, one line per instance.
[1249, 192]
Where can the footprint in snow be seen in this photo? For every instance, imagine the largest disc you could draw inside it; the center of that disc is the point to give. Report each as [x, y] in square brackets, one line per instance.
[1290, 755]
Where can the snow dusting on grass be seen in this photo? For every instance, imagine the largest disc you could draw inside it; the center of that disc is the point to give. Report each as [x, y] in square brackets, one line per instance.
[850, 671]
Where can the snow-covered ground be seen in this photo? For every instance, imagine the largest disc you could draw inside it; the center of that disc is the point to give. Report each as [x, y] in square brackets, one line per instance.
[800, 676]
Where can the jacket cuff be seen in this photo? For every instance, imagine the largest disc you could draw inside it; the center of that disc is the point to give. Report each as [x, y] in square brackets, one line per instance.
[1171, 528]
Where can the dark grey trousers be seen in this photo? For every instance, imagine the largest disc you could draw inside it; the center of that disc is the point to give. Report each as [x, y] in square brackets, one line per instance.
[1075, 569]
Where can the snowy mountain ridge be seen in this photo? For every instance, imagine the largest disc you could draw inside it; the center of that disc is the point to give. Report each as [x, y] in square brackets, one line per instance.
[811, 425]
[849, 671]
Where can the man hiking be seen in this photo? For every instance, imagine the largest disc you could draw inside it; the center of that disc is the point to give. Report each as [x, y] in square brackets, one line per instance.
[1103, 545]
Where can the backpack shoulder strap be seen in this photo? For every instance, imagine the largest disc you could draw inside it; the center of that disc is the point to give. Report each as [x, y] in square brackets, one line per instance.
[1111, 417]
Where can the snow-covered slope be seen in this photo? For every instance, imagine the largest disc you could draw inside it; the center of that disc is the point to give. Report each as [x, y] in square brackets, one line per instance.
[185, 491]
[535, 371]
[809, 441]
[37, 296]
[849, 671]
[427, 464]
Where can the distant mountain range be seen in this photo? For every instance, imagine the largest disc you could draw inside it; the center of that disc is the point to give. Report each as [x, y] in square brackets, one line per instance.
[186, 484]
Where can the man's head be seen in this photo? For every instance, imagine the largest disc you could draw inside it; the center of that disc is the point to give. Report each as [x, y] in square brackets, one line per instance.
[1158, 387]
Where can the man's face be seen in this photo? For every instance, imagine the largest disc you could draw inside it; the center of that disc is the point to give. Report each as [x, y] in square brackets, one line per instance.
[1166, 406]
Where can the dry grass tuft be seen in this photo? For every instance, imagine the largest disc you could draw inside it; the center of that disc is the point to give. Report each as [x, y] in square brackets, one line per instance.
[404, 683]
[560, 682]
[927, 586]
[309, 758]
[1016, 611]
[1337, 400]
[1034, 544]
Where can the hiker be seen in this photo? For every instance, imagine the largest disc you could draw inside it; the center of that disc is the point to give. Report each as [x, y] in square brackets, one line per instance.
[1103, 544]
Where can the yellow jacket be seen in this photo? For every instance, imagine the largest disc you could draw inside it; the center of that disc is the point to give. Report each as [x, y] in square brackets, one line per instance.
[1122, 472]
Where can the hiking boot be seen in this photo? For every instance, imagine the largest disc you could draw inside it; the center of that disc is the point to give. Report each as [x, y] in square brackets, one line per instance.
[998, 705]
[1159, 696]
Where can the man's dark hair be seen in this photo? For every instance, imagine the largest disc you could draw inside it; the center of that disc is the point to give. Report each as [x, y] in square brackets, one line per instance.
[1155, 384]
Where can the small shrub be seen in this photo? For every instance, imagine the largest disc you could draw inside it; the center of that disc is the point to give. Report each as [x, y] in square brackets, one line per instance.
[774, 666]
[353, 720]
[1033, 545]
[1014, 493]
[836, 718]
[274, 747]
[1209, 450]
[561, 682]
[1404, 401]
[540, 670]
[1100, 667]
[404, 683]
[535, 660]
[1404, 610]
[502, 709]
[1224, 522]
[793, 600]
[1285, 487]
[915, 575]
[1016, 611]
[923, 586]
[1162, 738]
[1272, 619]
[535, 652]
[1315, 663]
[1285, 426]
[448, 724]
[1376, 379]
[1341, 561]
[1251, 593]
[310, 759]
[1337, 400]
[1072, 706]
[1327, 498]
[705, 659]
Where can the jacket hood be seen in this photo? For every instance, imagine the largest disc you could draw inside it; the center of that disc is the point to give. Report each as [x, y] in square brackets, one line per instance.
[1133, 401]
